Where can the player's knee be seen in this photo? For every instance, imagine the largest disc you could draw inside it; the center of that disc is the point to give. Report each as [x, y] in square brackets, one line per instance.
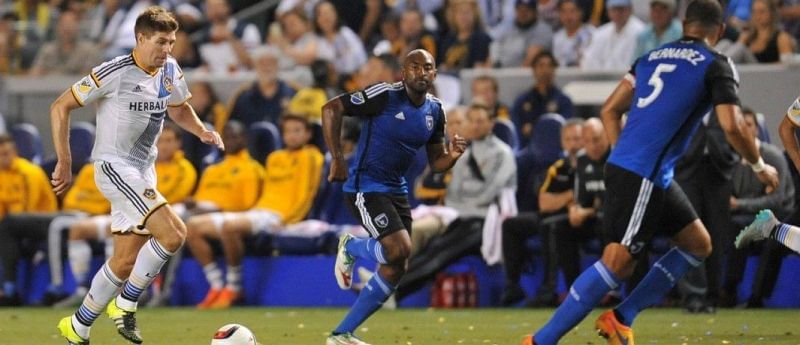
[701, 249]
[122, 265]
[397, 255]
[174, 239]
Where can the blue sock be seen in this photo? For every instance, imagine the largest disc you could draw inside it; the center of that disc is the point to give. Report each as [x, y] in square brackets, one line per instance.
[9, 289]
[371, 298]
[590, 287]
[367, 248]
[658, 281]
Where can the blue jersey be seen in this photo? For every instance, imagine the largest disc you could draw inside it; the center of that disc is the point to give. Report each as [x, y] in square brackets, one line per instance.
[392, 130]
[675, 85]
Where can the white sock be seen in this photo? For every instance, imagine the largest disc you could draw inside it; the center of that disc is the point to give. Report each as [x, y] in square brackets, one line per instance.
[234, 278]
[104, 287]
[151, 258]
[788, 235]
[213, 276]
[80, 255]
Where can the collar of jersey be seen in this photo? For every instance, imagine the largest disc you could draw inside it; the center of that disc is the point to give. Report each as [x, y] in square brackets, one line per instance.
[141, 66]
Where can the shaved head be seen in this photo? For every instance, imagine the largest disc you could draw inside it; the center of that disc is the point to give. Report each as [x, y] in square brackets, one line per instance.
[422, 54]
[419, 71]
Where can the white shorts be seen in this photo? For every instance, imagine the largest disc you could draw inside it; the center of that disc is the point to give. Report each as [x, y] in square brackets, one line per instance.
[132, 193]
[261, 220]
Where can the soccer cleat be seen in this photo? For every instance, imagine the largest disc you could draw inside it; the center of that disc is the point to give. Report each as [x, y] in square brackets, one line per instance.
[615, 332]
[344, 339]
[343, 270]
[758, 230]
[208, 301]
[68, 332]
[226, 298]
[125, 322]
[528, 340]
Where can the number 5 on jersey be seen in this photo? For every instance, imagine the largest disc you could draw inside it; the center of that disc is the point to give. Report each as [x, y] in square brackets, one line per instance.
[657, 83]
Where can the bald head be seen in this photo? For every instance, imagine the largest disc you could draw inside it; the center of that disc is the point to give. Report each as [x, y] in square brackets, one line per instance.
[419, 70]
[595, 140]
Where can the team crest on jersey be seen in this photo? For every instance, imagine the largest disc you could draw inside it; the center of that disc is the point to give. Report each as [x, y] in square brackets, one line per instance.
[382, 220]
[149, 193]
[84, 87]
[357, 98]
[429, 122]
[168, 84]
[636, 247]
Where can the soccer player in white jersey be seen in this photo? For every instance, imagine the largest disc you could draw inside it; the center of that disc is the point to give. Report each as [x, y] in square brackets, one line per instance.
[133, 94]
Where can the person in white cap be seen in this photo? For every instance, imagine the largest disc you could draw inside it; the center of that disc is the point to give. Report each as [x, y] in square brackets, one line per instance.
[663, 27]
[613, 44]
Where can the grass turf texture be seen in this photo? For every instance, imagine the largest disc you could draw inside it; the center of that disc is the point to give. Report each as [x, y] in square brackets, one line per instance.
[409, 326]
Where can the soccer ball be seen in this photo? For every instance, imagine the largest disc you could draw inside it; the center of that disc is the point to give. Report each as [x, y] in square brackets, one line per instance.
[234, 334]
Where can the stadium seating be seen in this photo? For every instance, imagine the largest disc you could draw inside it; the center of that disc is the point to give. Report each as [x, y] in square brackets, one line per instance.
[263, 137]
[329, 205]
[81, 142]
[199, 154]
[29, 142]
[543, 150]
[317, 137]
[505, 131]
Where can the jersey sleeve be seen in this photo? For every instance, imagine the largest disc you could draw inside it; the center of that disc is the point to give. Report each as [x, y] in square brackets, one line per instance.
[722, 82]
[793, 113]
[367, 102]
[438, 135]
[94, 86]
[180, 90]
[631, 75]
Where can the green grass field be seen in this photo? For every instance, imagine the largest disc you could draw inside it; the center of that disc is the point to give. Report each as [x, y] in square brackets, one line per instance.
[410, 326]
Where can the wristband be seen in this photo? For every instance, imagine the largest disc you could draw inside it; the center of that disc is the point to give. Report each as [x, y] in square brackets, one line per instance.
[758, 166]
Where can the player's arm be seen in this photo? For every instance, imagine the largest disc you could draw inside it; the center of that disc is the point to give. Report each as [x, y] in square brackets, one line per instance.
[59, 123]
[617, 105]
[184, 116]
[440, 156]
[787, 129]
[367, 102]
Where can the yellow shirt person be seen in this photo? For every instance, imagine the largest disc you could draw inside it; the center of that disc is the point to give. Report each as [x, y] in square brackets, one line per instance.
[84, 196]
[176, 178]
[291, 182]
[233, 184]
[24, 187]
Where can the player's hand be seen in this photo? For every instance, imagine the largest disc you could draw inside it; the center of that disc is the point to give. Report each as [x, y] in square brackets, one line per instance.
[769, 177]
[212, 138]
[338, 171]
[457, 146]
[62, 177]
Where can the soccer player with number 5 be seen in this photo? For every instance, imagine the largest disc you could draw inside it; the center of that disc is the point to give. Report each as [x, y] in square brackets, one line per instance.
[666, 94]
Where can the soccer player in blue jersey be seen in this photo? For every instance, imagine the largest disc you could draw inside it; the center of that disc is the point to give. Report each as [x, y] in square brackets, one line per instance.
[666, 94]
[397, 119]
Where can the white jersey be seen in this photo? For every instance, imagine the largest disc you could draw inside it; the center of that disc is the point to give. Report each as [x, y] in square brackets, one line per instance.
[793, 113]
[131, 106]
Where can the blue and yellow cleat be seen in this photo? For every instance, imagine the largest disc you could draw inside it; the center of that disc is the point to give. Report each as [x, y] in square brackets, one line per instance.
[615, 332]
[758, 230]
[68, 332]
[125, 322]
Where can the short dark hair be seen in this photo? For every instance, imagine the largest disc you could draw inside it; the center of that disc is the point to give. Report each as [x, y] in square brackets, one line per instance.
[488, 78]
[5, 139]
[707, 13]
[294, 117]
[155, 19]
[544, 54]
[481, 106]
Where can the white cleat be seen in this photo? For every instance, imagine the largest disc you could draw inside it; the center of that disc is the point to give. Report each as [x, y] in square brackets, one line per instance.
[344, 339]
[343, 270]
[758, 230]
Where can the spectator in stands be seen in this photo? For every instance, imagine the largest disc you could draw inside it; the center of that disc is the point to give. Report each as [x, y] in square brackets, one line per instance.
[749, 197]
[790, 16]
[361, 16]
[614, 43]
[486, 173]
[484, 90]
[24, 188]
[226, 42]
[292, 178]
[738, 14]
[571, 40]
[176, 181]
[267, 97]
[10, 45]
[185, 51]
[95, 21]
[2, 128]
[544, 97]
[466, 44]
[293, 35]
[389, 35]
[518, 44]
[413, 35]
[548, 12]
[555, 195]
[67, 54]
[308, 101]
[663, 27]
[207, 105]
[382, 68]
[764, 36]
[341, 42]
[36, 16]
